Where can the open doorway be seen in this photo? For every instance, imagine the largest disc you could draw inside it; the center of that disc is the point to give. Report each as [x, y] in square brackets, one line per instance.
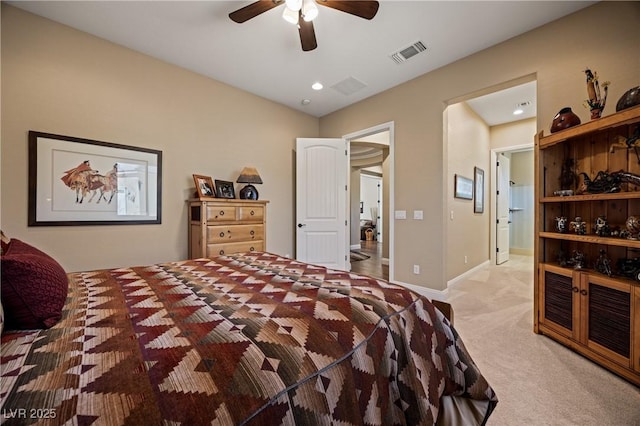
[519, 201]
[371, 186]
[479, 127]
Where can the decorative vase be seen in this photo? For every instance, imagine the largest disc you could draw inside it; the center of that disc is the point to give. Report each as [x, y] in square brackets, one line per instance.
[630, 98]
[564, 119]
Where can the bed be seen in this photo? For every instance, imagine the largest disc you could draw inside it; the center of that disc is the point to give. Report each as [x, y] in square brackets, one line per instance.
[244, 339]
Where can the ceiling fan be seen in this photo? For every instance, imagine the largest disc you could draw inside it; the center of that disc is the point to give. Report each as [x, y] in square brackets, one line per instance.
[303, 12]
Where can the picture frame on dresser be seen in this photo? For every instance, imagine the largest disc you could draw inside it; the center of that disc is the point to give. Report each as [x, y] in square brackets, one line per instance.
[76, 181]
[224, 189]
[204, 186]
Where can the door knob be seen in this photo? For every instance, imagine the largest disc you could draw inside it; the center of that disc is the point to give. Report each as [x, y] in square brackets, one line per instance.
[300, 225]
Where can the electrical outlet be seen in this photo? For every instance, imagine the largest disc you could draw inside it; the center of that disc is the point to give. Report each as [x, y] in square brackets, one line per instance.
[466, 260]
[416, 269]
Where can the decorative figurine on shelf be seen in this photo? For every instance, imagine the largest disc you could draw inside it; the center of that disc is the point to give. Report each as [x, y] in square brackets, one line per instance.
[568, 177]
[596, 101]
[633, 226]
[629, 268]
[601, 227]
[578, 261]
[603, 183]
[627, 143]
[603, 264]
[562, 258]
[579, 226]
[561, 224]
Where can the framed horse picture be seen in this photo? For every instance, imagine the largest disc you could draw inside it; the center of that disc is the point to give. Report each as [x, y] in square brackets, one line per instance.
[75, 181]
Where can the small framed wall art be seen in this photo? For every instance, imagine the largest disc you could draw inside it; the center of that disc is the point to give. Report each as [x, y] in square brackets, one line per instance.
[463, 187]
[224, 189]
[478, 203]
[204, 186]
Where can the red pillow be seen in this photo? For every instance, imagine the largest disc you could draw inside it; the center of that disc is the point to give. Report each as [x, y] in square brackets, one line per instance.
[34, 287]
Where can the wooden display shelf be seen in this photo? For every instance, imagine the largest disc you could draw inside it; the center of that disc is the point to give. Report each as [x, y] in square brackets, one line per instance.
[592, 239]
[621, 118]
[592, 197]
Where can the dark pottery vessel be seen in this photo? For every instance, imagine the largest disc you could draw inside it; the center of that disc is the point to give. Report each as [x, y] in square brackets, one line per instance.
[564, 119]
[629, 99]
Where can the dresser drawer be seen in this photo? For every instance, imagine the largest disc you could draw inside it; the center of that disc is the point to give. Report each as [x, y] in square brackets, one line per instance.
[251, 213]
[221, 214]
[234, 233]
[229, 248]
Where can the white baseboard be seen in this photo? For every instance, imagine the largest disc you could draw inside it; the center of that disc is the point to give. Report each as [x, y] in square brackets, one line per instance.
[429, 293]
[385, 261]
[355, 246]
[466, 274]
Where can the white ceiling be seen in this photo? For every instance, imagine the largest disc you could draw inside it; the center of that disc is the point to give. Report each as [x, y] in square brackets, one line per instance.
[263, 55]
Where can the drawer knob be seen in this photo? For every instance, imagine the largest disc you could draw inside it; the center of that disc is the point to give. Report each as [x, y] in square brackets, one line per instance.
[221, 234]
[221, 213]
[575, 289]
[252, 213]
[252, 232]
[221, 252]
[252, 249]
[583, 292]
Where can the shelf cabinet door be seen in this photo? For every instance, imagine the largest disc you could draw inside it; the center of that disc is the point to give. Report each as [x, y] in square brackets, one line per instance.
[559, 298]
[607, 305]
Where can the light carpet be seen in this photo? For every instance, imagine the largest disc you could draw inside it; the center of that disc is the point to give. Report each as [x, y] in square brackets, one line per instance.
[538, 381]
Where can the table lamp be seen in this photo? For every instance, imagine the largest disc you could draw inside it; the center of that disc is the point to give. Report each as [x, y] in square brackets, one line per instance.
[249, 175]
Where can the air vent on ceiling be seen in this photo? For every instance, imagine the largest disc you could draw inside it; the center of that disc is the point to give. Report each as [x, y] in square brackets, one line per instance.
[408, 52]
[349, 86]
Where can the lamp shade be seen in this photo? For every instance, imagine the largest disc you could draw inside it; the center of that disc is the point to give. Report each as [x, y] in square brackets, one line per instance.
[249, 175]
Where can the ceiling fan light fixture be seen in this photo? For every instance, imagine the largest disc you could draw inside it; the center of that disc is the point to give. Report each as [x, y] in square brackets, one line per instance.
[291, 16]
[294, 5]
[309, 10]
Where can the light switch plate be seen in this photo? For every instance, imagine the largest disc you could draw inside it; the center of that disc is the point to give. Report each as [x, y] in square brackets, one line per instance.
[401, 214]
[418, 215]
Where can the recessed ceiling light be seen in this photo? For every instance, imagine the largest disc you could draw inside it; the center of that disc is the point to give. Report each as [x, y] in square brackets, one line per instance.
[305, 101]
[520, 107]
[317, 86]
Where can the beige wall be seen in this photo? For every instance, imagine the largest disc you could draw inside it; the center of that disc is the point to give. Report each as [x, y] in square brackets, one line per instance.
[467, 233]
[59, 80]
[516, 134]
[556, 54]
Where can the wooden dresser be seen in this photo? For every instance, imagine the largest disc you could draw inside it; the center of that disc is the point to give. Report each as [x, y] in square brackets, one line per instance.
[220, 226]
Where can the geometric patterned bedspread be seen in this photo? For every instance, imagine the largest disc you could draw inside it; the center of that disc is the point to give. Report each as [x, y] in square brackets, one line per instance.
[253, 339]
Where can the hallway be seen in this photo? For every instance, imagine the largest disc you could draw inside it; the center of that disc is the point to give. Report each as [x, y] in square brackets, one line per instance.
[372, 266]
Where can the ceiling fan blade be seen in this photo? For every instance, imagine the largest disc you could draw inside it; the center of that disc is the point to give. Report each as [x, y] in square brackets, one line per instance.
[363, 9]
[253, 10]
[307, 35]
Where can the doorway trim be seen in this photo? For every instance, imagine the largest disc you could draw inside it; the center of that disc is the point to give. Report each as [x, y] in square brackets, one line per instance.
[495, 152]
[388, 126]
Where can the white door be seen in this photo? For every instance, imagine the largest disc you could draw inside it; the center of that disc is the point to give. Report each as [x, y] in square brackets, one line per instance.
[321, 202]
[502, 208]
